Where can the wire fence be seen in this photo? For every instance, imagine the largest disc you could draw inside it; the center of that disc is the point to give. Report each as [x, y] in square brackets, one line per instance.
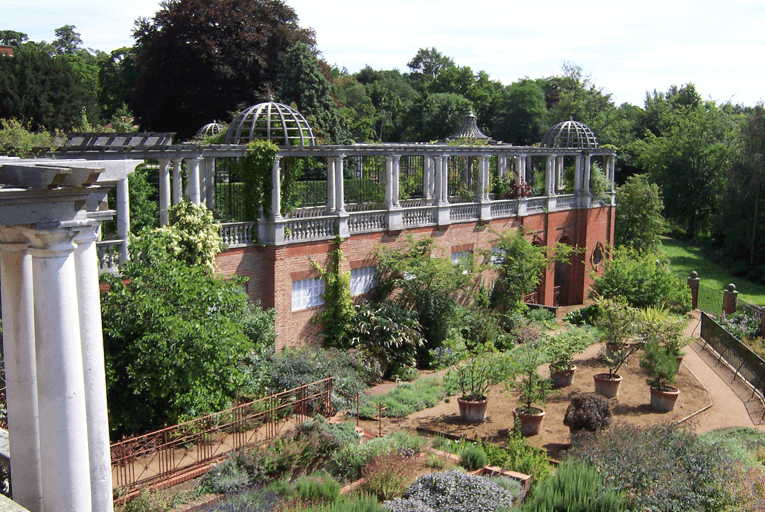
[710, 301]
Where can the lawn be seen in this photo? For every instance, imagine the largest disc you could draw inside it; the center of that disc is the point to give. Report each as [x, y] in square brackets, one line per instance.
[685, 258]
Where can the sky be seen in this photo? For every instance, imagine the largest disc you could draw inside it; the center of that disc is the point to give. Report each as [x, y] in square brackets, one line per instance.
[628, 47]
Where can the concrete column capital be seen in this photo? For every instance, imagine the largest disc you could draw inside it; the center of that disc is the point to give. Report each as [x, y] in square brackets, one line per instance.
[52, 243]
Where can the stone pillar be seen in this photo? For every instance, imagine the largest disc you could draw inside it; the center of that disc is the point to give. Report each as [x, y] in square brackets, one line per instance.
[92, 343]
[578, 174]
[550, 176]
[587, 169]
[210, 183]
[202, 180]
[194, 192]
[427, 177]
[177, 182]
[730, 299]
[559, 173]
[276, 190]
[331, 193]
[693, 284]
[388, 181]
[438, 176]
[164, 191]
[396, 179]
[65, 467]
[339, 185]
[123, 218]
[21, 374]
[445, 179]
[501, 166]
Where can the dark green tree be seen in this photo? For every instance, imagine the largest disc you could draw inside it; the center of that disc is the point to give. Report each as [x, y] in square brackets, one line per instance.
[199, 60]
[519, 114]
[304, 85]
[117, 76]
[67, 40]
[12, 38]
[427, 65]
[393, 97]
[442, 115]
[357, 110]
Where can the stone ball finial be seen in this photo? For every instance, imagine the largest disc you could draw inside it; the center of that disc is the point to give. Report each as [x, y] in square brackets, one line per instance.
[731, 287]
[694, 275]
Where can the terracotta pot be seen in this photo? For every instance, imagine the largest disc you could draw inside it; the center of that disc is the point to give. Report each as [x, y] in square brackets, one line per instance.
[531, 423]
[605, 386]
[664, 401]
[563, 378]
[472, 411]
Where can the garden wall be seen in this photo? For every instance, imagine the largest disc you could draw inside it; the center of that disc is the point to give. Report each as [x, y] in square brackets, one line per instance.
[272, 269]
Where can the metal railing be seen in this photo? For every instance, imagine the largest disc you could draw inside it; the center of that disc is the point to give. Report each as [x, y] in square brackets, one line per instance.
[185, 451]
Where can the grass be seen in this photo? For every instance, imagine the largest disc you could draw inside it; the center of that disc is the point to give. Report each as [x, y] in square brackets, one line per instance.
[408, 398]
[685, 258]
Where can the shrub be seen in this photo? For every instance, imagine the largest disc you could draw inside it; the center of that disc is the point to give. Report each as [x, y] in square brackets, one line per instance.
[349, 461]
[317, 487]
[741, 324]
[575, 487]
[562, 347]
[643, 280]
[408, 398]
[454, 491]
[660, 366]
[582, 316]
[248, 500]
[659, 468]
[388, 475]
[473, 458]
[590, 412]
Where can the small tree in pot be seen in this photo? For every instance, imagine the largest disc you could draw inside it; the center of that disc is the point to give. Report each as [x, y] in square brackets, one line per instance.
[474, 376]
[532, 388]
[588, 412]
[656, 325]
[561, 349]
[616, 322]
[661, 368]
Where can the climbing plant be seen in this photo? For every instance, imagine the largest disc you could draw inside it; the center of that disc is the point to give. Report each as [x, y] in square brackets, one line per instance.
[338, 315]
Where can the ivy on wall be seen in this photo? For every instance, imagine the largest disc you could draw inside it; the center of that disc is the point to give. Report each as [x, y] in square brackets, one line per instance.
[339, 312]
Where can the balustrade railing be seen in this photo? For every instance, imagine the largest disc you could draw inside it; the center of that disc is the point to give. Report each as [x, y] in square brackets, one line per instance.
[464, 212]
[109, 256]
[364, 222]
[414, 217]
[504, 208]
[536, 204]
[237, 234]
[565, 202]
[314, 228]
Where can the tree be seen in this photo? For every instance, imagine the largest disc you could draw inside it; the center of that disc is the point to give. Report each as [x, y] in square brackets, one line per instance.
[12, 38]
[519, 114]
[442, 115]
[199, 60]
[117, 76]
[67, 40]
[304, 84]
[639, 222]
[173, 336]
[427, 65]
[357, 111]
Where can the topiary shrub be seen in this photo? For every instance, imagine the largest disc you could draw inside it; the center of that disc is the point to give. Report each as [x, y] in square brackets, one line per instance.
[473, 458]
[453, 491]
[589, 412]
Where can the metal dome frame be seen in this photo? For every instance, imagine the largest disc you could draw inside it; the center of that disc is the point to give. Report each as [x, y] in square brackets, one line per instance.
[209, 130]
[570, 134]
[469, 129]
[271, 121]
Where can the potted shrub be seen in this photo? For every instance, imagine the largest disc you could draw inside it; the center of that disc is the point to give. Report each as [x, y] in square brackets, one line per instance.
[661, 367]
[588, 412]
[616, 322]
[474, 375]
[656, 325]
[561, 349]
[532, 388]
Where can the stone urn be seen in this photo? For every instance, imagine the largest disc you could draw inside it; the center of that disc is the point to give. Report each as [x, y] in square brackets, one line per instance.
[663, 400]
[531, 422]
[562, 378]
[472, 411]
[607, 385]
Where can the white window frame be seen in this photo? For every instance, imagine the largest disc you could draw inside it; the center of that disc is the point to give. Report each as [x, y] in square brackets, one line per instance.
[363, 280]
[307, 293]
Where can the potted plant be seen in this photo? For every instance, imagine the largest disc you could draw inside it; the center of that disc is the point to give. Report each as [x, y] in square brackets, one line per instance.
[561, 349]
[656, 325]
[474, 375]
[616, 322]
[531, 387]
[661, 367]
[588, 412]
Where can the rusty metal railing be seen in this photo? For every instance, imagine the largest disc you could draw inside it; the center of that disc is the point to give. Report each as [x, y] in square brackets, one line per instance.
[185, 451]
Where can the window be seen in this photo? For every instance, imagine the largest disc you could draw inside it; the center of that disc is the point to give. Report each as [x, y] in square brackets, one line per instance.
[363, 279]
[461, 255]
[307, 293]
[497, 253]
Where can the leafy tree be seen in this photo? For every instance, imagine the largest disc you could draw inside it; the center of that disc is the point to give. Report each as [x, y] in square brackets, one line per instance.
[304, 85]
[67, 40]
[172, 339]
[519, 114]
[357, 111]
[198, 60]
[16, 140]
[192, 236]
[392, 96]
[427, 65]
[639, 223]
[44, 91]
[442, 115]
[12, 38]
[117, 76]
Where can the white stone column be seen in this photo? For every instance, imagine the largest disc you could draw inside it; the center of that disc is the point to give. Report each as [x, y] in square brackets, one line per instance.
[177, 181]
[501, 166]
[209, 198]
[388, 181]
[559, 174]
[587, 169]
[396, 179]
[612, 172]
[549, 175]
[427, 171]
[437, 177]
[21, 374]
[65, 467]
[276, 190]
[194, 192]
[339, 186]
[482, 175]
[92, 342]
[202, 180]
[331, 193]
[123, 217]
[578, 174]
[164, 191]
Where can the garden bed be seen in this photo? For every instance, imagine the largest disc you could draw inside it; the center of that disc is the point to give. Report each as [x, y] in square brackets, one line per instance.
[631, 406]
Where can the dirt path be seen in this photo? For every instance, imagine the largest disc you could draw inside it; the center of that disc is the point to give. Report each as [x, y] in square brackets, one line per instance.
[709, 399]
